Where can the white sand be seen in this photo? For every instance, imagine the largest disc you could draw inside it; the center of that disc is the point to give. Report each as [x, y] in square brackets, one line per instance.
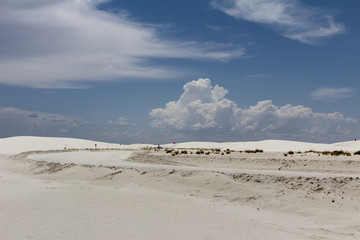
[271, 146]
[141, 194]
[16, 145]
[107, 158]
[118, 159]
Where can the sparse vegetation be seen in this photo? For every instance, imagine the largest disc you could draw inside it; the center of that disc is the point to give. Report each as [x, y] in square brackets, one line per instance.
[216, 150]
[228, 151]
[333, 153]
[357, 153]
[199, 152]
[174, 153]
[341, 152]
[254, 151]
[169, 150]
[326, 153]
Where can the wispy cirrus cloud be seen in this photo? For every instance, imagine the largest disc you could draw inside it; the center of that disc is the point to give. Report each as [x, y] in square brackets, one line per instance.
[61, 44]
[121, 121]
[290, 18]
[330, 94]
[214, 28]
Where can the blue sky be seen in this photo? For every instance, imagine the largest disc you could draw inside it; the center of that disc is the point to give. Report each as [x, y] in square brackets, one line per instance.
[163, 71]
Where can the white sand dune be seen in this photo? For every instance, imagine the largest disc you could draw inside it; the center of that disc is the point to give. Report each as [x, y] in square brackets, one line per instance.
[271, 146]
[354, 145]
[14, 145]
[127, 192]
[118, 159]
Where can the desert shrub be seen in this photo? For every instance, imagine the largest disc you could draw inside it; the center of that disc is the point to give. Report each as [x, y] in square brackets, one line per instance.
[341, 152]
[207, 153]
[227, 151]
[290, 152]
[216, 150]
[357, 153]
[253, 151]
[347, 154]
[285, 154]
[184, 152]
[326, 153]
[169, 150]
[174, 153]
[199, 152]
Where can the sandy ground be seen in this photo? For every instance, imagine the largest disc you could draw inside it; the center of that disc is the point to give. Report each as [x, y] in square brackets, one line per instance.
[147, 194]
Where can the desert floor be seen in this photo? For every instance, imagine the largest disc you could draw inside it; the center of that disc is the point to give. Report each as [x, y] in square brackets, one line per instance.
[150, 194]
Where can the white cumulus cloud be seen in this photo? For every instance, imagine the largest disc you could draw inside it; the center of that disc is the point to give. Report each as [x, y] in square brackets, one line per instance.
[290, 18]
[200, 106]
[61, 44]
[203, 111]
